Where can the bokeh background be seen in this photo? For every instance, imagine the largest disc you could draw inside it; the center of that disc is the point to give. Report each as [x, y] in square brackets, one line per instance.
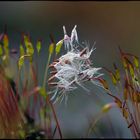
[110, 24]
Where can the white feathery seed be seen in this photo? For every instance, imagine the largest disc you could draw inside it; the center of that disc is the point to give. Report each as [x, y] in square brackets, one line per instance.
[73, 69]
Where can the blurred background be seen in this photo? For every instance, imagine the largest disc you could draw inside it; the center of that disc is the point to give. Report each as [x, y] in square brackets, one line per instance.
[110, 24]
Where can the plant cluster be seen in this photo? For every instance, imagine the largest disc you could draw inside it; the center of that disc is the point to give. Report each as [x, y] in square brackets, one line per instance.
[27, 108]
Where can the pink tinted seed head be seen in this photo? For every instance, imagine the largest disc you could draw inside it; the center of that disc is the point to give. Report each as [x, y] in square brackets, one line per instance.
[72, 69]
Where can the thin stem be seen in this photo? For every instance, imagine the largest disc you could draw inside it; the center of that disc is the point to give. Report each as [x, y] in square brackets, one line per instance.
[55, 116]
[94, 123]
[46, 71]
[47, 97]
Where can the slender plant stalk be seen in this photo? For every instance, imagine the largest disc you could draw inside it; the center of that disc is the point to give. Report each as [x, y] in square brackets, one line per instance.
[47, 97]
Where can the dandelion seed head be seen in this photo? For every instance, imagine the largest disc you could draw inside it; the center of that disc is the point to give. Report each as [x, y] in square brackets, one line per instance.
[73, 68]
